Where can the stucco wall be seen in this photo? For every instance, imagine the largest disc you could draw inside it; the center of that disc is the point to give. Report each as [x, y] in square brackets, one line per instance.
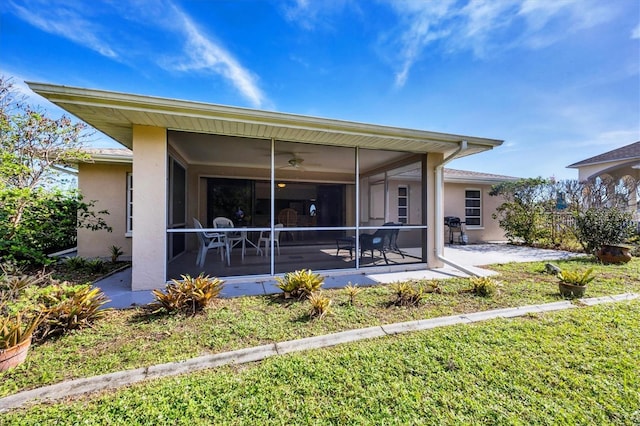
[106, 184]
[454, 194]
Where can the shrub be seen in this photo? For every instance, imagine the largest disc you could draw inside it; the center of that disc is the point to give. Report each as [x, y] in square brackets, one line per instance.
[406, 294]
[597, 226]
[300, 283]
[47, 224]
[483, 286]
[320, 305]
[522, 215]
[576, 277]
[190, 295]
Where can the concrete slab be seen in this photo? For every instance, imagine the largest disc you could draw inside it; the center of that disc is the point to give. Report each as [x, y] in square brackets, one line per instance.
[117, 286]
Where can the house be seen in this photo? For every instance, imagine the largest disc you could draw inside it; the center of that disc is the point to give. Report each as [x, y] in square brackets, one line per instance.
[315, 182]
[618, 165]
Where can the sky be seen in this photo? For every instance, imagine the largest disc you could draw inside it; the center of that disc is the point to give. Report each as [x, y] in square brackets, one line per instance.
[557, 80]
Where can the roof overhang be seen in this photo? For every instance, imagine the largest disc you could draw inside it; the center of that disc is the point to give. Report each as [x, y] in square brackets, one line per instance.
[115, 114]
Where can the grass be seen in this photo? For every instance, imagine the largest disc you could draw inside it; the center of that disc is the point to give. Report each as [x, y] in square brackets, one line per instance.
[133, 338]
[571, 367]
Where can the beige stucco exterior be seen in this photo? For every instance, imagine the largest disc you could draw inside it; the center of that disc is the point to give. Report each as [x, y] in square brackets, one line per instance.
[150, 211]
[454, 200]
[142, 123]
[105, 184]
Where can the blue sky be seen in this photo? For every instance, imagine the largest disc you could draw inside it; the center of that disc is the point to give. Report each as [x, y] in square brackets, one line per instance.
[558, 80]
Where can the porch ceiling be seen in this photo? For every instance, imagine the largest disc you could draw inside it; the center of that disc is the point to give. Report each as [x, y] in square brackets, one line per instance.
[115, 114]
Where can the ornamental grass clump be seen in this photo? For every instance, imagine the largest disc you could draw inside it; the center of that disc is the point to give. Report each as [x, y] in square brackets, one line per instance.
[189, 295]
[301, 283]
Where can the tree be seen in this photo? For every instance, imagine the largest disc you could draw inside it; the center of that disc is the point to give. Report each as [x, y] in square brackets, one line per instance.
[523, 214]
[32, 147]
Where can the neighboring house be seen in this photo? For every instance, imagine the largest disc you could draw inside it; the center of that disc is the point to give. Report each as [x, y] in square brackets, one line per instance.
[617, 164]
[329, 180]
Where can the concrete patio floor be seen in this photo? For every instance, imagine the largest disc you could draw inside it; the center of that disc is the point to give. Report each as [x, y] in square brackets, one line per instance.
[117, 287]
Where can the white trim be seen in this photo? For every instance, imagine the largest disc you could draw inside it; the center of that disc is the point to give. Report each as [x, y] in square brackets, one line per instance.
[129, 205]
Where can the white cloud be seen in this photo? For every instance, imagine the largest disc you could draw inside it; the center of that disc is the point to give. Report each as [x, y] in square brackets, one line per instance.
[67, 21]
[486, 26]
[79, 23]
[308, 14]
[204, 54]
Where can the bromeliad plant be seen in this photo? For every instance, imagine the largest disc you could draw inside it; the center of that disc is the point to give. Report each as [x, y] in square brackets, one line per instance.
[352, 291]
[576, 277]
[68, 307]
[300, 283]
[190, 295]
[483, 286]
[320, 305]
[17, 328]
[406, 294]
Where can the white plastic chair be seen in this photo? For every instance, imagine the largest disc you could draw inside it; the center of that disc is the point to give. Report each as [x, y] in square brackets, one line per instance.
[233, 238]
[210, 240]
[265, 237]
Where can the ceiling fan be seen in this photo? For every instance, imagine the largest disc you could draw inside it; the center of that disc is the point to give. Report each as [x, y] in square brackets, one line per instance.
[296, 162]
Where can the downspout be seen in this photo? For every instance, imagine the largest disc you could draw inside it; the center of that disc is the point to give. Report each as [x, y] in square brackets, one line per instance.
[439, 222]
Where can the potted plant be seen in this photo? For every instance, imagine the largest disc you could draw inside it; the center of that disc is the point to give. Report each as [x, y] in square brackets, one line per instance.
[574, 283]
[16, 331]
[614, 253]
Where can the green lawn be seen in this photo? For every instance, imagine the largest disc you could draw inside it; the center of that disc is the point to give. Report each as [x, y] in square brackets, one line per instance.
[132, 338]
[578, 366]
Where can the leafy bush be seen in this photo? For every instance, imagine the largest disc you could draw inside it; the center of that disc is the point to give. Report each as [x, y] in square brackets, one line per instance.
[300, 283]
[523, 214]
[36, 222]
[597, 226]
[320, 305]
[190, 295]
[483, 286]
[576, 277]
[406, 294]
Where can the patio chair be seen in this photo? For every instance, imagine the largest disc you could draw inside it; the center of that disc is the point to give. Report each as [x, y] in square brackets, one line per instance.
[265, 237]
[210, 240]
[289, 218]
[379, 240]
[233, 238]
[393, 241]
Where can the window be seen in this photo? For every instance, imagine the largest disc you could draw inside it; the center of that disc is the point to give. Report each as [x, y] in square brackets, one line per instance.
[473, 207]
[403, 204]
[129, 204]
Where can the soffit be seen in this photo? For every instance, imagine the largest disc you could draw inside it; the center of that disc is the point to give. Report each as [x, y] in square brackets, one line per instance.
[115, 114]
